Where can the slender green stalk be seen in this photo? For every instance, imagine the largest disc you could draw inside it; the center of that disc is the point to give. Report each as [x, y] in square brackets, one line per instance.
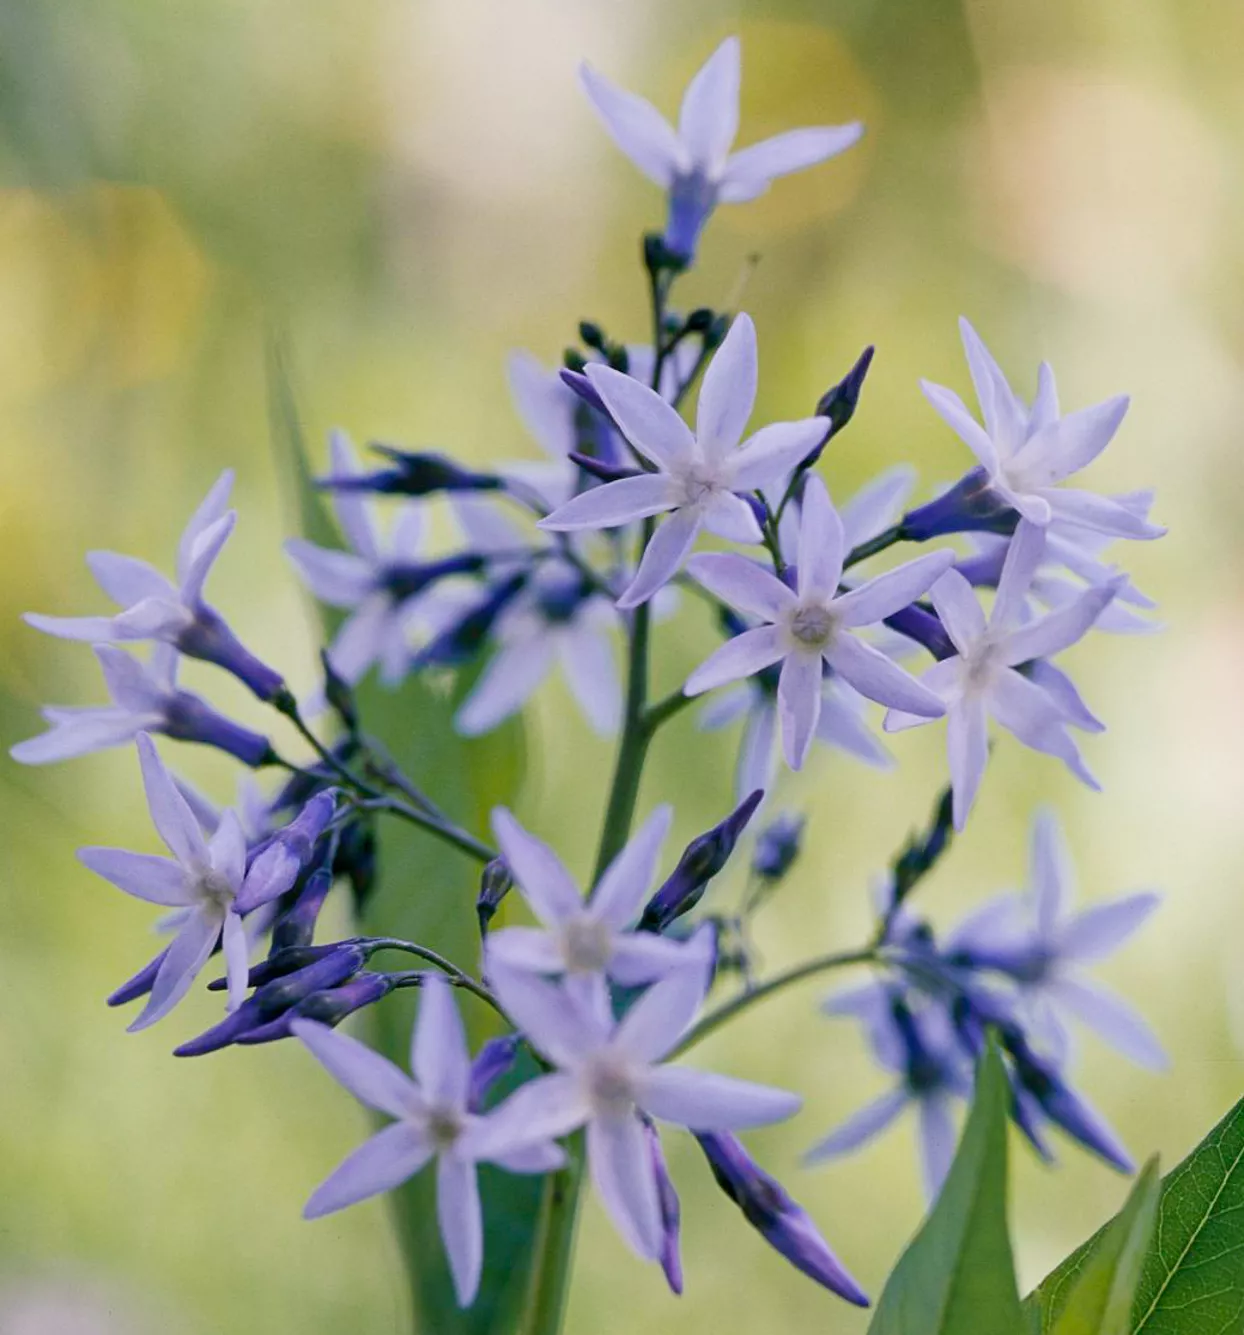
[885, 539]
[736, 1005]
[554, 1245]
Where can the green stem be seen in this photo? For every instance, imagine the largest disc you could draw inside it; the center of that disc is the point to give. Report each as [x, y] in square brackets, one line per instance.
[885, 539]
[736, 1005]
[554, 1245]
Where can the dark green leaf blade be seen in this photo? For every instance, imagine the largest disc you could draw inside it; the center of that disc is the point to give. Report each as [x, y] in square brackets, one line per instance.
[1192, 1282]
[425, 892]
[957, 1276]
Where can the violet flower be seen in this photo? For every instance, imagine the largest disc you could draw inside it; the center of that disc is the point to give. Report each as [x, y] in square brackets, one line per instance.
[157, 609]
[697, 475]
[431, 1121]
[694, 163]
[808, 627]
[200, 883]
[608, 1073]
[983, 680]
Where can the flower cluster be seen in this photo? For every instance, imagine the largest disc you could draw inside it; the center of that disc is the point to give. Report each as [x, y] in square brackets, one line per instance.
[554, 563]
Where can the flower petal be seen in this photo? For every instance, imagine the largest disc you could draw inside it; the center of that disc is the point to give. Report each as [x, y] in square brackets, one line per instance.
[339, 579]
[211, 509]
[656, 1022]
[950, 408]
[644, 957]
[625, 883]
[353, 509]
[663, 556]
[90, 630]
[739, 657]
[531, 949]
[1002, 414]
[1050, 875]
[203, 554]
[889, 593]
[461, 1223]
[614, 504]
[821, 544]
[1023, 556]
[878, 678]
[877, 504]
[371, 1078]
[871, 1120]
[144, 875]
[728, 390]
[840, 725]
[81, 734]
[749, 171]
[379, 1164]
[126, 579]
[183, 962]
[588, 665]
[170, 812]
[1110, 1018]
[236, 948]
[548, 1106]
[546, 406]
[742, 583]
[967, 747]
[958, 610]
[1071, 443]
[625, 1177]
[646, 420]
[708, 119]
[359, 642]
[541, 875]
[513, 674]
[1101, 930]
[636, 126]
[706, 1101]
[547, 1014]
[768, 455]
[438, 1052]
[729, 516]
[936, 1127]
[757, 763]
[1098, 513]
[1060, 629]
[799, 704]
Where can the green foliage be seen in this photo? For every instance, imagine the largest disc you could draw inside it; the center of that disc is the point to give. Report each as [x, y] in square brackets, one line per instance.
[425, 892]
[1093, 1292]
[1192, 1278]
[957, 1276]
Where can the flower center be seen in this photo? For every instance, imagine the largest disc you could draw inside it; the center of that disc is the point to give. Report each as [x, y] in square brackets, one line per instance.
[611, 1086]
[813, 627]
[445, 1125]
[699, 484]
[586, 945]
[215, 889]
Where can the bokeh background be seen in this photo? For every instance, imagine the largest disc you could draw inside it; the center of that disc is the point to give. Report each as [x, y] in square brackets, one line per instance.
[410, 188]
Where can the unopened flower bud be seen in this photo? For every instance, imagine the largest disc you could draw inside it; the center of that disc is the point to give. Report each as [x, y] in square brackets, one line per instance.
[493, 1061]
[460, 642]
[291, 849]
[783, 1224]
[140, 984]
[412, 474]
[329, 1007]
[778, 846]
[971, 505]
[296, 927]
[574, 379]
[839, 402]
[599, 468]
[702, 859]
[699, 320]
[495, 883]
[356, 859]
[671, 1211]
[591, 335]
[280, 963]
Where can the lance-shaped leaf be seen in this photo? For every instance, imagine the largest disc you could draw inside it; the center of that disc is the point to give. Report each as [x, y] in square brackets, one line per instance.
[1192, 1280]
[957, 1276]
[426, 892]
[1094, 1292]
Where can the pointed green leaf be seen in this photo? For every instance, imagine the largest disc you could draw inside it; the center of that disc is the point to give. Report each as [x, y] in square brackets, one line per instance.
[1192, 1280]
[957, 1276]
[425, 892]
[1095, 1295]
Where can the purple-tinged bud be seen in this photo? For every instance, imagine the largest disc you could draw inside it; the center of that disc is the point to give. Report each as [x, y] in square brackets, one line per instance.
[187, 718]
[275, 998]
[671, 1211]
[494, 1060]
[783, 1224]
[760, 511]
[584, 388]
[296, 927]
[778, 846]
[925, 628]
[599, 468]
[405, 581]
[971, 505]
[140, 984]
[463, 640]
[495, 882]
[413, 474]
[209, 638]
[701, 860]
[329, 1007]
[840, 401]
[984, 570]
[280, 963]
[923, 850]
[288, 853]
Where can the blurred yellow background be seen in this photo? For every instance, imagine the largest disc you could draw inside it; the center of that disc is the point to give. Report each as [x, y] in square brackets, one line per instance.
[409, 188]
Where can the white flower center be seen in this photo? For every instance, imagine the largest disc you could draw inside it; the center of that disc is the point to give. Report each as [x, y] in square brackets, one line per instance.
[444, 1127]
[699, 484]
[813, 627]
[215, 889]
[610, 1085]
[586, 945]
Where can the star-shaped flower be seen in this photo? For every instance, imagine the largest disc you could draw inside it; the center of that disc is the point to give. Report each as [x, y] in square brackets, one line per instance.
[810, 625]
[381, 580]
[983, 679]
[696, 476]
[200, 882]
[586, 938]
[434, 1119]
[1026, 452]
[609, 1073]
[1041, 946]
[694, 164]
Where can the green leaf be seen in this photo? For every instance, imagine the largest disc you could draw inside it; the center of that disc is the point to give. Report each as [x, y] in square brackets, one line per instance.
[425, 892]
[1192, 1280]
[957, 1276]
[1094, 1292]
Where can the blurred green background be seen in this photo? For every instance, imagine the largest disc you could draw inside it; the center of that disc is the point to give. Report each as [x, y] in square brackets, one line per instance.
[409, 188]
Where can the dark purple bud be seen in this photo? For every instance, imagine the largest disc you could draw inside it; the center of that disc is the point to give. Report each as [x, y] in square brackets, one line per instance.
[778, 845]
[279, 964]
[208, 637]
[671, 1211]
[296, 927]
[464, 639]
[925, 628]
[599, 468]
[659, 258]
[140, 984]
[275, 998]
[187, 718]
[701, 860]
[402, 582]
[923, 849]
[329, 1007]
[840, 401]
[413, 474]
[495, 883]
[783, 1224]
[971, 505]
[356, 859]
[984, 570]
[289, 852]
[583, 387]
[494, 1060]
